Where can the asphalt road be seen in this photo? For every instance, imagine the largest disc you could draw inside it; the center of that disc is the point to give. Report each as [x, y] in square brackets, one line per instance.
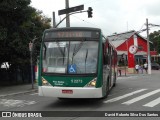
[139, 93]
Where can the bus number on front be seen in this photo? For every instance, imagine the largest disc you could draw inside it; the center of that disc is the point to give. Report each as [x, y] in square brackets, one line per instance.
[76, 81]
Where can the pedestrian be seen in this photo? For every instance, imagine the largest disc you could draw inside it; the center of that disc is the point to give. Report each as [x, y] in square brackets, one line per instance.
[119, 69]
[141, 68]
[119, 72]
[137, 68]
[145, 66]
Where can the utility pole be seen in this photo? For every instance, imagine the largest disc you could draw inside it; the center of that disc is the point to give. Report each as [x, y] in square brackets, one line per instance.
[31, 49]
[31, 46]
[67, 15]
[148, 48]
[54, 20]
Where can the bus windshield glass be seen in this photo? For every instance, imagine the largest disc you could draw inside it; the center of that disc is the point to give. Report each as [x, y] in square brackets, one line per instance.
[70, 57]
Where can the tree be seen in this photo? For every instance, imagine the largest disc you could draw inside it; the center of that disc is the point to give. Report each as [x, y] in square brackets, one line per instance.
[155, 38]
[19, 24]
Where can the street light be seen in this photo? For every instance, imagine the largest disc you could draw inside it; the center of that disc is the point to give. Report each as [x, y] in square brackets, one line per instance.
[31, 45]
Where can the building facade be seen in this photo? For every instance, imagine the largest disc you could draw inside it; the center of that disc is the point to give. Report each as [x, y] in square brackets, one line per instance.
[131, 48]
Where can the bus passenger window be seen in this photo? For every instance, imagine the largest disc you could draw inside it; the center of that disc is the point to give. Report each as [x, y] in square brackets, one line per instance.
[104, 55]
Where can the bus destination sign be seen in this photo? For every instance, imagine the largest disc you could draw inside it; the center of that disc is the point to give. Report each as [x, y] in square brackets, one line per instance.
[71, 34]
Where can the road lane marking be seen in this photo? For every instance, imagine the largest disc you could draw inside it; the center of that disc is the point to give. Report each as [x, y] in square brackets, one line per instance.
[141, 97]
[34, 94]
[124, 96]
[153, 103]
[15, 103]
[17, 93]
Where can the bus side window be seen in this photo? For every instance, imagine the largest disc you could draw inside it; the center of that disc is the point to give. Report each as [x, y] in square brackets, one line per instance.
[109, 55]
[105, 54]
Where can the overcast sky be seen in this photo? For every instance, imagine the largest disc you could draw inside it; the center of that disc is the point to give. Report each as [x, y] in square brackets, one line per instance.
[109, 15]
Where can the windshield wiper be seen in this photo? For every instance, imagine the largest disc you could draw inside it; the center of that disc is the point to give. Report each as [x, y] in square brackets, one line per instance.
[76, 50]
[60, 48]
[86, 59]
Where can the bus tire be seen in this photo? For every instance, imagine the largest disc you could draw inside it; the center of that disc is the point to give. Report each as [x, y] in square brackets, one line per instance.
[115, 78]
[107, 89]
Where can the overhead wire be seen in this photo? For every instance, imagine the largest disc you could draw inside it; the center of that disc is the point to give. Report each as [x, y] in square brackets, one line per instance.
[89, 22]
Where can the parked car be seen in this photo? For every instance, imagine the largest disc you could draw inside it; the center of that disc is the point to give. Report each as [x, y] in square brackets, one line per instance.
[155, 66]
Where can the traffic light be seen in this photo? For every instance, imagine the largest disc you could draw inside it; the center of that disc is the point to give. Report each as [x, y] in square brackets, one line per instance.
[89, 12]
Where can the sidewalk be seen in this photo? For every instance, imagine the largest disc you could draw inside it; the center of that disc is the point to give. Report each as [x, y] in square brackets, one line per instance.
[17, 89]
[125, 73]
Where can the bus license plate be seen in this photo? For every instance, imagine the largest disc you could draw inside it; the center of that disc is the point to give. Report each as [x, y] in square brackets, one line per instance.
[67, 91]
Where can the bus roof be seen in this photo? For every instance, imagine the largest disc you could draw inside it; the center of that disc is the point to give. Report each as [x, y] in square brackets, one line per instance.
[72, 32]
[73, 28]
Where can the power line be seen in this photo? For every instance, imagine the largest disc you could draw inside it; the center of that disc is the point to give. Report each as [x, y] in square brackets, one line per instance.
[154, 25]
[84, 20]
[89, 22]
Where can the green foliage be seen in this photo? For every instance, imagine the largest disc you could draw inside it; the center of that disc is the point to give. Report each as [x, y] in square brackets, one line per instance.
[19, 24]
[155, 38]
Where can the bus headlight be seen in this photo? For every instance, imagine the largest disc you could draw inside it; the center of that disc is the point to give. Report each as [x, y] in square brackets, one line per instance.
[45, 82]
[92, 83]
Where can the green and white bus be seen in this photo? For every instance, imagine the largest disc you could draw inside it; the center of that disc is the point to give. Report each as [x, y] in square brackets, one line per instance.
[76, 62]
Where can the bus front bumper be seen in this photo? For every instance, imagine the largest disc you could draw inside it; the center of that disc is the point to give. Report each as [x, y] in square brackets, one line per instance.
[70, 92]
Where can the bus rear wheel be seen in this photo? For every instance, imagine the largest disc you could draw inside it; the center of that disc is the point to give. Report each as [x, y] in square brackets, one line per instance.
[115, 78]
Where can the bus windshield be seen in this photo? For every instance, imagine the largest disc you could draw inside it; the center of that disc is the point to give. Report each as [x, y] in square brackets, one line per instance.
[70, 57]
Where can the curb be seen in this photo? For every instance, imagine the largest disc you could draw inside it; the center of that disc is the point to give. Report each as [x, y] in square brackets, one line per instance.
[19, 93]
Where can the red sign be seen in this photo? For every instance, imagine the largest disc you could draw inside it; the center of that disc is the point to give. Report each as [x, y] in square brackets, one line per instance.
[133, 49]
